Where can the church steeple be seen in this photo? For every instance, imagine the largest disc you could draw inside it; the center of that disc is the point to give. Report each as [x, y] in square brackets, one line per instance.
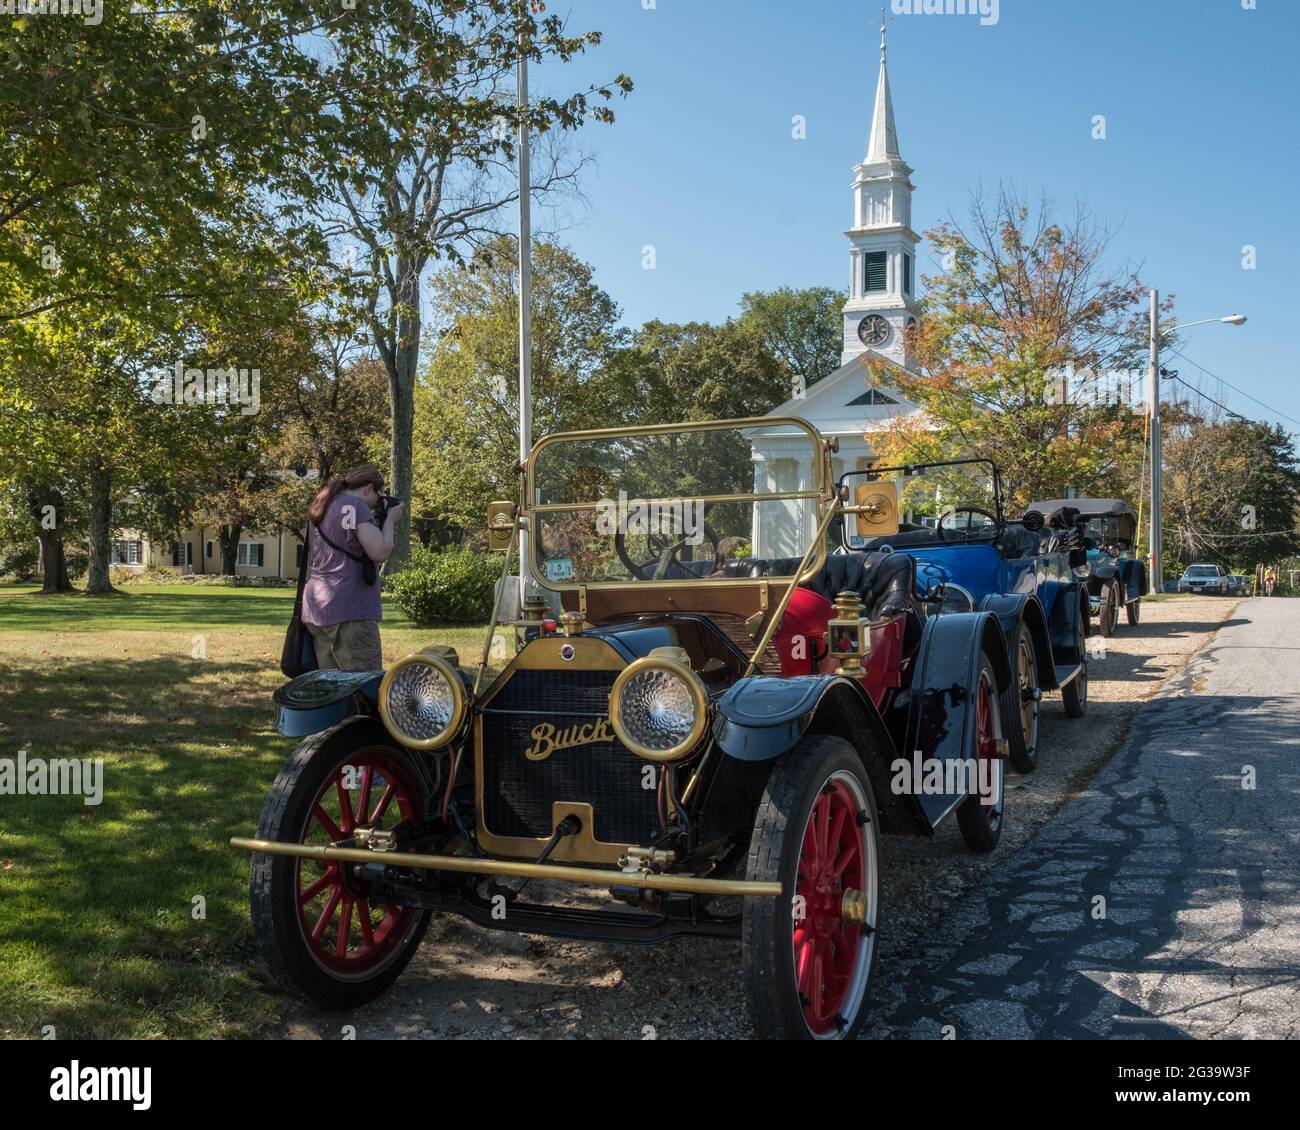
[882, 244]
[884, 134]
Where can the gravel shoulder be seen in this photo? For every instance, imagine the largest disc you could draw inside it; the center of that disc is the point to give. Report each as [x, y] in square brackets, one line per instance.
[470, 983]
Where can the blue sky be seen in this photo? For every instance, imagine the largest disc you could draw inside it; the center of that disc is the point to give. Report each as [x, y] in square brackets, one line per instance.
[1201, 156]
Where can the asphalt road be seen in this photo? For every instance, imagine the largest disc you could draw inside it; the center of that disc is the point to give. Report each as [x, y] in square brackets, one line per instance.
[1164, 900]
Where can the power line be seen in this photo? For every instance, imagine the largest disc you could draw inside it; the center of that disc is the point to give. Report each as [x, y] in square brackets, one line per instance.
[1234, 388]
[1173, 376]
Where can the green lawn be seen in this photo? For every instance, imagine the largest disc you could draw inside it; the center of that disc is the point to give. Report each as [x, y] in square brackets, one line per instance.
[98, 935]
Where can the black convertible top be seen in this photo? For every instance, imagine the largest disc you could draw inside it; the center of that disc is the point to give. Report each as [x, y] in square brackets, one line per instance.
[1087, 507]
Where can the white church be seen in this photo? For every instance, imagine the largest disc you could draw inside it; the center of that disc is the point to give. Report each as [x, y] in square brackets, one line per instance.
[880, 311]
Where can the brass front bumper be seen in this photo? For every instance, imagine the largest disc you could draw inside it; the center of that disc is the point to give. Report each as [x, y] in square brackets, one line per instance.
[585, 876]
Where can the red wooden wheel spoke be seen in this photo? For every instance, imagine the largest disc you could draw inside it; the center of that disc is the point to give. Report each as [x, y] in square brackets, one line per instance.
[382, 806]
[346, 822]
[331, 829]
[848, 856]
[818, 983]
[345, 928]
[325, 915]
[803, 953]
[823, 818]
[363, 798]
[363, 920]
[837, 829]
[330, 876]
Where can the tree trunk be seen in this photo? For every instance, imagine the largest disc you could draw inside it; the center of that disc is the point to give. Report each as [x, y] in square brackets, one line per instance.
[49, 532]
[101, 517]
[229, 538]
[401, 398]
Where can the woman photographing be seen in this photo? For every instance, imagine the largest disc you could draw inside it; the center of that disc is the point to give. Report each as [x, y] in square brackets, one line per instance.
[349, 535]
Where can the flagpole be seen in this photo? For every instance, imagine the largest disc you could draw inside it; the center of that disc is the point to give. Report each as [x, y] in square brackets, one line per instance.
[525, 297]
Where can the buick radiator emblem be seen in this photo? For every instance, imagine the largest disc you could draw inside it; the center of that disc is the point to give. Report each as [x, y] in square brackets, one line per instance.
[547, 739]
[566, 652]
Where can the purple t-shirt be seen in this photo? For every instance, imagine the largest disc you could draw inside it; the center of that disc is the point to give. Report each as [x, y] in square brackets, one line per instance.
[335, 590]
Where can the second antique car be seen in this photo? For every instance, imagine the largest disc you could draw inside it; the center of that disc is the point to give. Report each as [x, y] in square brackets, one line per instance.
[1115, 578]
[975, 558]
[711, 742]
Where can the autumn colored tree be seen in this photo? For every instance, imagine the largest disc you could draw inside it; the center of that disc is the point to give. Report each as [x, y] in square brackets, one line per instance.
[1024, 297]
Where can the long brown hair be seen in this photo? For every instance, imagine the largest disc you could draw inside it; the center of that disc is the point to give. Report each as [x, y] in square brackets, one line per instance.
[358, 476]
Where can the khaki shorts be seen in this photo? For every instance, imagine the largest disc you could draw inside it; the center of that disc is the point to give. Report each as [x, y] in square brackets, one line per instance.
[350, 646]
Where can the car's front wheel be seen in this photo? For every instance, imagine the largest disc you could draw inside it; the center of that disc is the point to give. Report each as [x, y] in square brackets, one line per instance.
[809, 953]
[319, 930]
[1109, 618]
[1020, 703]
[980, 816]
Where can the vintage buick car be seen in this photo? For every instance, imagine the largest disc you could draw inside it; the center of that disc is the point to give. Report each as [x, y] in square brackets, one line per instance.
[712, 741]
[1022, 571]
[1116, 579]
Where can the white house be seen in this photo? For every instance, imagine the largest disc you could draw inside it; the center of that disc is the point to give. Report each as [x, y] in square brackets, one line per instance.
[880, 311]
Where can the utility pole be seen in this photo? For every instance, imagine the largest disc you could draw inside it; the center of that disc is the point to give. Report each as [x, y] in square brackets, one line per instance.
[525, 294]
[1153, 406]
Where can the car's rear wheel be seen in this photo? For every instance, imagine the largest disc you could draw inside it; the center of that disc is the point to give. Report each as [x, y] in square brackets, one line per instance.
[1109, 618]
[1020, 703]
[319, 930]
[810, 952]
[980, 816]
[1075, 693]
[1134, 611]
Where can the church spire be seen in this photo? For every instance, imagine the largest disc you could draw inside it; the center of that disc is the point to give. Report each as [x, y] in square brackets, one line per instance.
[884, 134]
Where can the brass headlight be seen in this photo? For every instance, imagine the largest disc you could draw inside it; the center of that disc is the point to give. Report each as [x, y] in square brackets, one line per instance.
[659, 707]
[422, 700]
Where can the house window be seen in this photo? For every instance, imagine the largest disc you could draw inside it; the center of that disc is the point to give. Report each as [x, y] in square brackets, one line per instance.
[875, 267]
[907, 274]
[182, 553]
[249, 553]
[208, 551]
[127, 553]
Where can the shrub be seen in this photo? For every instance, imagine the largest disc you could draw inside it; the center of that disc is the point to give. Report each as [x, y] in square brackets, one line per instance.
[18, 562]
[451, 586]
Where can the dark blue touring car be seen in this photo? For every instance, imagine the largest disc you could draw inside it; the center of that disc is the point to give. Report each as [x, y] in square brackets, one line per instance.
[1023, 571]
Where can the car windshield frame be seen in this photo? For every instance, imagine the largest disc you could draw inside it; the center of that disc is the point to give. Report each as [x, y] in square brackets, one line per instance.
[907, 471]
[814, 548]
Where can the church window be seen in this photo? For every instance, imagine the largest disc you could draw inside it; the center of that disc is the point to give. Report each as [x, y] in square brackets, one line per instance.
[875, 271]
[872, 396]
[907, 274]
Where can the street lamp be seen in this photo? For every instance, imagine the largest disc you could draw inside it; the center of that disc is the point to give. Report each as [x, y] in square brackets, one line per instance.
[1153, 406]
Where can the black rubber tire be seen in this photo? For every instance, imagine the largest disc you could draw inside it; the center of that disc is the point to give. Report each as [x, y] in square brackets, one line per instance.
[1134, 611]
[1075, 693]
[1023, 752]
[977, 830]
[272, 882]
[774, 850]
[1108, 619]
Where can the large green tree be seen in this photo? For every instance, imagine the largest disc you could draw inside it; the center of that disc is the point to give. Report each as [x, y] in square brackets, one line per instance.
[1231, 495]
[406, 117]
[801, 327]
[467, 406]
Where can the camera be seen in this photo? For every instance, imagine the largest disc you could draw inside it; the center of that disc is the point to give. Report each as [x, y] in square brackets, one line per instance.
[382, 507]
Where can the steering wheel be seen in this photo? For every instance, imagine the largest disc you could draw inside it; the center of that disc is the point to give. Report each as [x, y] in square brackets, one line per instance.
[666, 548]
[944, 531]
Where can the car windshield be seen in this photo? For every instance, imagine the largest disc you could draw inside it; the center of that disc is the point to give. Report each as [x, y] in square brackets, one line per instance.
[683, 503]
[943, 504]
[1201, 571]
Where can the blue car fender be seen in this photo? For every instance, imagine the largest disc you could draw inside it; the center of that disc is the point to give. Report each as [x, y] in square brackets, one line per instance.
[1014, 608]
[940, 704]
[317, 700]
